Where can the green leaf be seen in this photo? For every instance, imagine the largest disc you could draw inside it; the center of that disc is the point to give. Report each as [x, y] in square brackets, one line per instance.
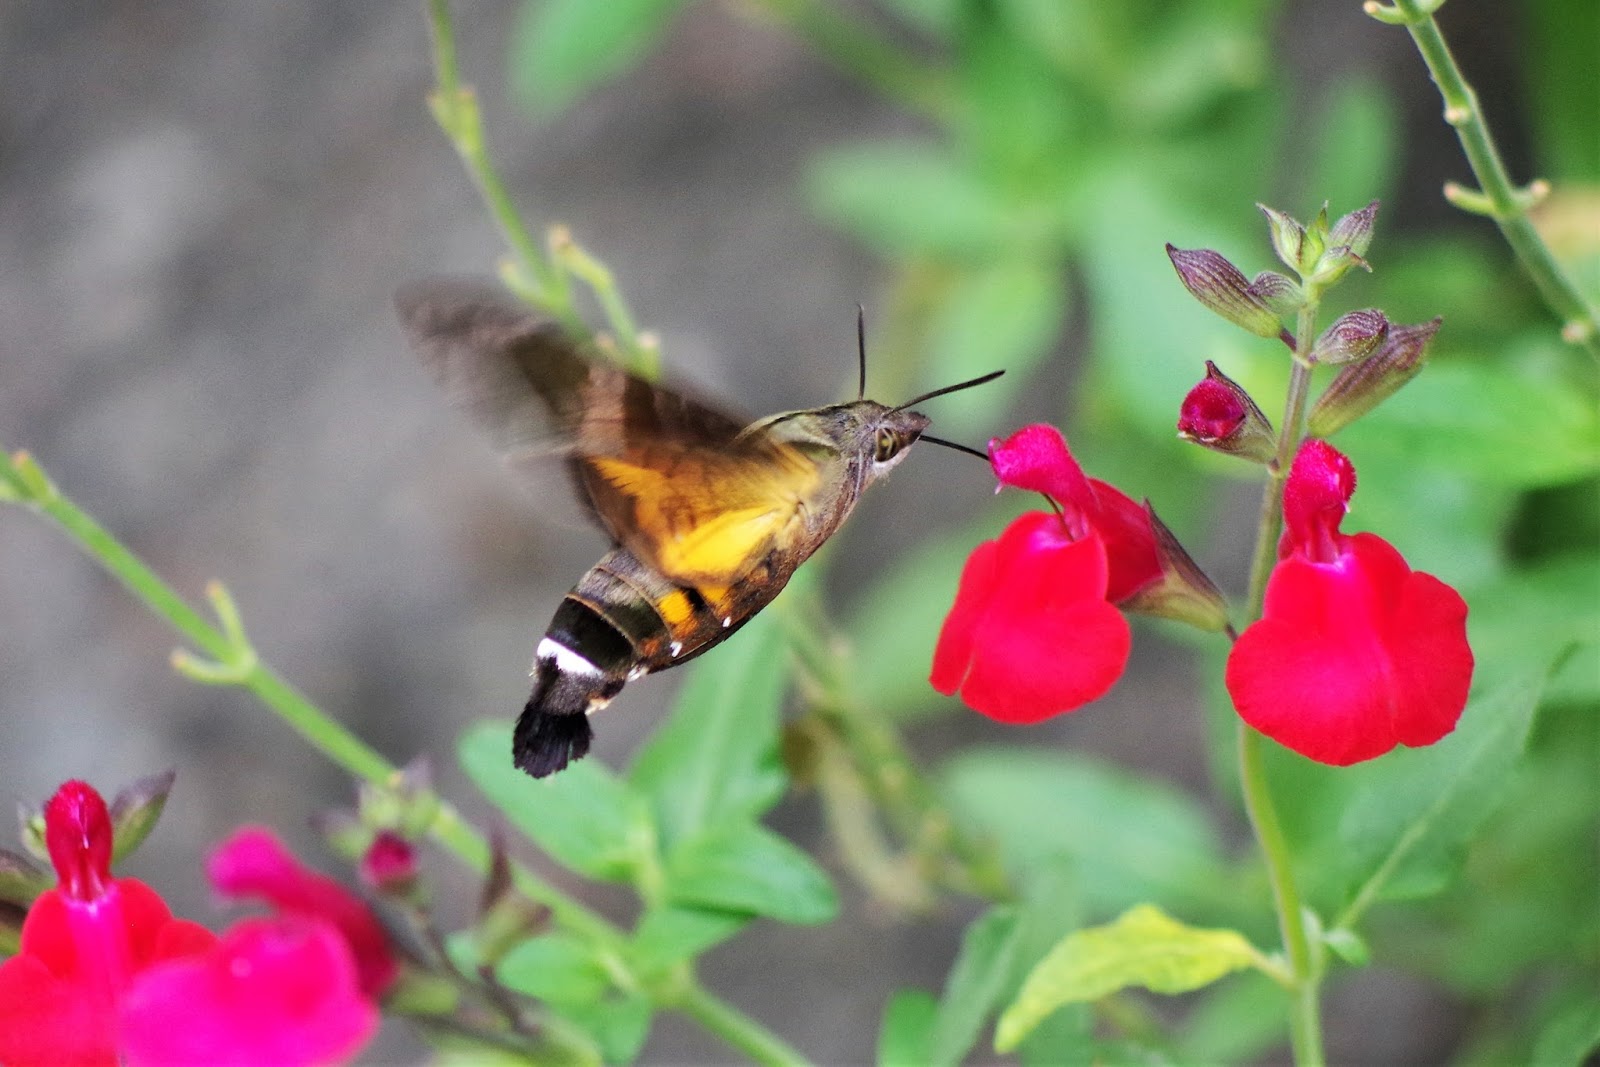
[1144, 947]
[667, 935]
[979, 978]
[906, 199]
[1131, 838]
[1489, 422]
[1004, 314]
[585, 817]
[907, 1029]
[715, 758]
[560, 49]
[746, 868]
[1412, 812]
[619, 1025]
[555, 967]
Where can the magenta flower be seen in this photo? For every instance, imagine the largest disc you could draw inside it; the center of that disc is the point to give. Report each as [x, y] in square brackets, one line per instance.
[84, 944]
[282, 992]
[1355, 652]
[253, 863]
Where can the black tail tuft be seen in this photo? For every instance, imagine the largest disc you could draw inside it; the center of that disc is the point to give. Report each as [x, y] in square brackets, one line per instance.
[544, 742]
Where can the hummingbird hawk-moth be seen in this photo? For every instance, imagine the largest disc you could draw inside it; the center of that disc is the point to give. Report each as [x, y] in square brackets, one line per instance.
[709, 515]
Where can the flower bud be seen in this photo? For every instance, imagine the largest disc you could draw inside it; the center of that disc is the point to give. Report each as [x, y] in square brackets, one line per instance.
[1223, 288]
[12, 917]
[389, 865]
[1360, 387]
[21, 880]
[136, 809]
[1183, 593]
[1346, 246]
[1352, 337]
[1297, 247]
[1279, 293]
[1218, 414]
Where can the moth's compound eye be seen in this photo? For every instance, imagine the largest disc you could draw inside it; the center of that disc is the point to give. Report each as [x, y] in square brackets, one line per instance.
[887, 445]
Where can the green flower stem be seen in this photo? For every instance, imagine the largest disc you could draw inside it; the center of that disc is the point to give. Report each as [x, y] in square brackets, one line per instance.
[861, 52]
[1305, 1023]
[234, 661]
[1500, 199]
[455, 107]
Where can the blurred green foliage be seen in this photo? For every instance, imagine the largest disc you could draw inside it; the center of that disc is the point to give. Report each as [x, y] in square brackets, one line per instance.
[1069, 141]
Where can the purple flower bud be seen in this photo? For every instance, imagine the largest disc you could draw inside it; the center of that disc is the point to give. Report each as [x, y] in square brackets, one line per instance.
[1362, 386]
[1354, 231]
[1218, 414]
[1353, 336]
[1223, 288]
[135, 810]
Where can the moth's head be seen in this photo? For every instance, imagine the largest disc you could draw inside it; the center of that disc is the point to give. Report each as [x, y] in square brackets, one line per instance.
[887, 434]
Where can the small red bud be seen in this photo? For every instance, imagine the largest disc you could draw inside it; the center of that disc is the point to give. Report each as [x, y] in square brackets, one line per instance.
[389, 864]
[1218, 414]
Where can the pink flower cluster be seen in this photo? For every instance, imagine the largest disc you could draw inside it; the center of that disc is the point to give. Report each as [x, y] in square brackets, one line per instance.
[107, 976]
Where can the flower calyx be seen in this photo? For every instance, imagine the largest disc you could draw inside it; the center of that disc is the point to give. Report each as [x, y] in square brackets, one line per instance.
[1360, 387]
[1220, 415]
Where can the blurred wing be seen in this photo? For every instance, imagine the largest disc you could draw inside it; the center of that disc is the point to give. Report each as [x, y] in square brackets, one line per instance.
[668, 476]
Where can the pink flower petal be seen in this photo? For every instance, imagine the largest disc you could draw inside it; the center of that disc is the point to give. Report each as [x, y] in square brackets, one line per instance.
[254, 863]
[272, 992]
[1036, 458]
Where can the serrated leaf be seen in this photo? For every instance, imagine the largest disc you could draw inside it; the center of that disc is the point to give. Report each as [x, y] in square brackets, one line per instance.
[715, 758]
[586, 818]
[979, 978]
[562, 48]
[1412, 813]
[1130, 838]
[669, 934]
[903, 1037]
[1145, 947]
[555, 967]
[746, 868]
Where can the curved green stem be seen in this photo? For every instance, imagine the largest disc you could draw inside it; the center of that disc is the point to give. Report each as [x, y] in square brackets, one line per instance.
[1500, 199]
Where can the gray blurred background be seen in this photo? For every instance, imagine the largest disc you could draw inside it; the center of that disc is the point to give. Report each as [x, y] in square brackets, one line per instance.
[204, 208]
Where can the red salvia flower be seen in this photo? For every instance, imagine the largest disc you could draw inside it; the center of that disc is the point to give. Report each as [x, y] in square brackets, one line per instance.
[1034, 631]
[83, 944]
[1355, 652]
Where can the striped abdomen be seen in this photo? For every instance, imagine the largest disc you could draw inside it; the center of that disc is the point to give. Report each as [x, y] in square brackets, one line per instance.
[621, 621]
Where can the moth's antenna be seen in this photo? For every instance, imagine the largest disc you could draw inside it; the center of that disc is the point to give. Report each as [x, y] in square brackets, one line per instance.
[861, 348]
[991, 376]
[953, 444]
